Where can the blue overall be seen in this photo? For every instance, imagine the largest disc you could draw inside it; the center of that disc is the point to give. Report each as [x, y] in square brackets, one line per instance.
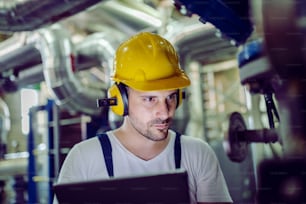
[107, 152]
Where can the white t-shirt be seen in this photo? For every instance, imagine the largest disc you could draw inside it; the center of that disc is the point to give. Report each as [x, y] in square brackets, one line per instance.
[206, 182]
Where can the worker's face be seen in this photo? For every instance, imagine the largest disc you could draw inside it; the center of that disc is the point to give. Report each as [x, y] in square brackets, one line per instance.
[151, 113]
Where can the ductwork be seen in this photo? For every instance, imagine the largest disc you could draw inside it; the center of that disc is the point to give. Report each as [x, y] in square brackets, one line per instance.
[99, 49]
[75, 74]
[78, 73]
[198, 42]
[31, 76]
[17, 55]
[49, 54]
[59, 65]
[131, 16]
[77, 91]
[28, 15]
[18, 47]
[127, 16]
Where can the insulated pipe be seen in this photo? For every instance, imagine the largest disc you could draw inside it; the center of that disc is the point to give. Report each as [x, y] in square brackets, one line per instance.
[101, 47]
[133, 16]
[17, 55]
[186, 30]
[30, 76]
[15, 48]
[59, 61]
[25, 54]
[197, 41]
[27, 15]
[69, 71]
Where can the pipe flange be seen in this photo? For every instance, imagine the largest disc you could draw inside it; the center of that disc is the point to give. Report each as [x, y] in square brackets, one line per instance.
[235, 148]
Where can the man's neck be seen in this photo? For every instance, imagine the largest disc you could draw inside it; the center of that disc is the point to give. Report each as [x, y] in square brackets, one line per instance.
[139, 145]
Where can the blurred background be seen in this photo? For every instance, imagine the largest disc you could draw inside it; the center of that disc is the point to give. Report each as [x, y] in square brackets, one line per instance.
[245, 60]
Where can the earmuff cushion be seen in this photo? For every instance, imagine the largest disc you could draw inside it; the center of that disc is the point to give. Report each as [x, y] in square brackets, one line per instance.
[124, 96]
[118, 91]
[180, 97]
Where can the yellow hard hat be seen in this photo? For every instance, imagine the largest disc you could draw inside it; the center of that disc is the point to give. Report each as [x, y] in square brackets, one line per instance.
[148, 62]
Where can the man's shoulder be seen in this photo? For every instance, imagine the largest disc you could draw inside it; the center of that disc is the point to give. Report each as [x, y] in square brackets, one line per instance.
[192, 138]
[87, 143]
[194, 142]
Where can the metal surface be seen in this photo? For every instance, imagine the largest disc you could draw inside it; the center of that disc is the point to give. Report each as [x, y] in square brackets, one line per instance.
[27, 15]
[77, 74]
[235, 148]
[11, 167]
[17, 54]
[238, 137]
[198, 42]
[25, 54]
[59, 61]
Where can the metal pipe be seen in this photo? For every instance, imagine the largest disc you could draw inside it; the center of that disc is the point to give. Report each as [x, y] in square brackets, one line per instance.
[25, 54]
[27, 15]
[11, 167]
[32, 188]
[59, 61]
[53, 145]
[30, 76]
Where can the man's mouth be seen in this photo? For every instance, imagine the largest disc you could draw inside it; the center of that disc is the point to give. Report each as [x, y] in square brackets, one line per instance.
[162, 126]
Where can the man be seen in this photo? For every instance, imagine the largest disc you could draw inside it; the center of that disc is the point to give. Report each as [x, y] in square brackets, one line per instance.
[148, 83]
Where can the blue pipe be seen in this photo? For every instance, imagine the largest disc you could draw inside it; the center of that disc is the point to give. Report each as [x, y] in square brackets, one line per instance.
[51, 157]
[32, 188]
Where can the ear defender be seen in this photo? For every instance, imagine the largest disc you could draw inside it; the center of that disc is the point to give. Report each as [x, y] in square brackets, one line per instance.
[118, 91]
[180, 97]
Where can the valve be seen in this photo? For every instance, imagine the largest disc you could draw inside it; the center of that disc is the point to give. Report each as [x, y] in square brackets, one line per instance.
[237, 139]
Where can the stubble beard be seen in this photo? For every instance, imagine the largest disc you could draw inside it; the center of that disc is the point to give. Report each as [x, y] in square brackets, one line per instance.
[147, 132]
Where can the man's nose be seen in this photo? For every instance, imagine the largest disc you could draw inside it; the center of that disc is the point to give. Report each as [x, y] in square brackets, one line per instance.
[163, 109]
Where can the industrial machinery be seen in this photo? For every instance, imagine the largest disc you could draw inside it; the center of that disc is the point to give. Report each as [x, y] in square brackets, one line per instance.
[48, 42]
[272, 63]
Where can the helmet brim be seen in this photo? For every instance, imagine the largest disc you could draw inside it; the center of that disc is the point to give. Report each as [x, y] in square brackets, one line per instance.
[176, 82]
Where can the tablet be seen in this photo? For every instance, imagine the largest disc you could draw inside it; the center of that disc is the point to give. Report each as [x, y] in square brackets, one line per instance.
[168, 187]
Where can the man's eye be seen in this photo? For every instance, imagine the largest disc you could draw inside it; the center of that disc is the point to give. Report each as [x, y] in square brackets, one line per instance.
[172, 96]
[149, 99]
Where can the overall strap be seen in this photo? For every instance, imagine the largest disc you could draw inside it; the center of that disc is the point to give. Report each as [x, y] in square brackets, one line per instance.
[177, 150]
[107, 152]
